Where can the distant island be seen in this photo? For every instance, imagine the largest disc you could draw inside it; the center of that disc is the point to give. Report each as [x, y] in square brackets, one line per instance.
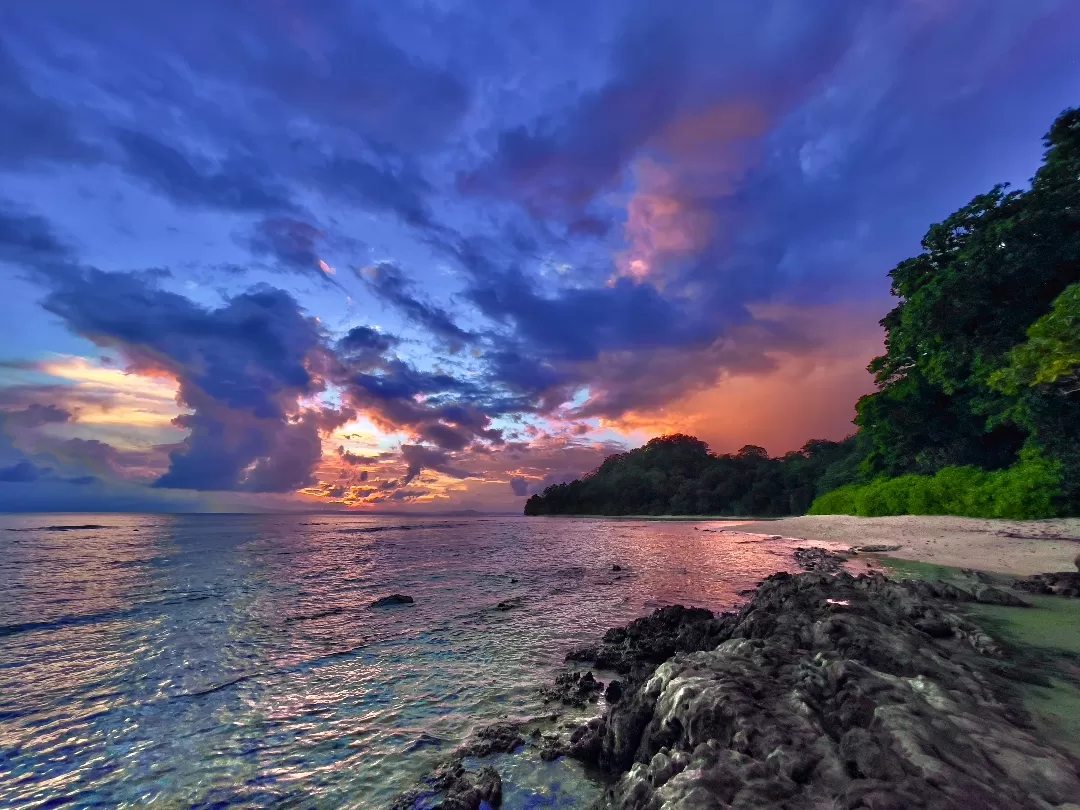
[977, 411]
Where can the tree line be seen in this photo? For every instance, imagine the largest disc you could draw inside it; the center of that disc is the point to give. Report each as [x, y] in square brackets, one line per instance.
[977, 407]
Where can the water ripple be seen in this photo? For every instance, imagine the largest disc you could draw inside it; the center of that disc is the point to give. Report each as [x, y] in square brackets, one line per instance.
[233, 660]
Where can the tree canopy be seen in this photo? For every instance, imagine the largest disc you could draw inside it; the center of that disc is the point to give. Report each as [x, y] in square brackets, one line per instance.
[981, 348]
[678, 475]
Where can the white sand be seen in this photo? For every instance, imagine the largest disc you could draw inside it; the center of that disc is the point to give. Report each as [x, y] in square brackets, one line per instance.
[1012, 547]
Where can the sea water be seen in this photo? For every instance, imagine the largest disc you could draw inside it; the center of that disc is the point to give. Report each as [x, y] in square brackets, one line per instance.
[182, 661]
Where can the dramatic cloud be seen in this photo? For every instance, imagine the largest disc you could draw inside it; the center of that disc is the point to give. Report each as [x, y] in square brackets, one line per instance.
[389, 284]
[240, 369]
[505, 239]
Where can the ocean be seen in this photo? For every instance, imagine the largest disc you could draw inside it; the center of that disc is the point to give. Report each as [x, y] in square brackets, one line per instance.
[222, 661]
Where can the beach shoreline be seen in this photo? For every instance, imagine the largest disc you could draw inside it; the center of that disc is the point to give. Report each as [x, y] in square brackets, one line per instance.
[1012, 547]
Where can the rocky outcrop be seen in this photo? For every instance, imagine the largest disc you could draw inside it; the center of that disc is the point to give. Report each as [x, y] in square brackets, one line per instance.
[393, 599]
[822, 691]
[653, 639]
[460, 789]
[498, 738]
[1062, 583]
[575, 689]
[820, 559]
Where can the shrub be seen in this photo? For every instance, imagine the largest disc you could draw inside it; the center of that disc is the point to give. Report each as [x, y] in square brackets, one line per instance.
[1025, 491]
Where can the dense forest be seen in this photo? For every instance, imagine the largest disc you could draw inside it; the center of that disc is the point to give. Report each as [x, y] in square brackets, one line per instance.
[677, 475]
[977, 408]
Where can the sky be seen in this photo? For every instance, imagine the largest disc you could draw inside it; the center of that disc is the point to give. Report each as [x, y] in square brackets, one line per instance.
[435, 255]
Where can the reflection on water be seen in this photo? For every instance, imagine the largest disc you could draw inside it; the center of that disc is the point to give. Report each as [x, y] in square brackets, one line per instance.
[228, 660]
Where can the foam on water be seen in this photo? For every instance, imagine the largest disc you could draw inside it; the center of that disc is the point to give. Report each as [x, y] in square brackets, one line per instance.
[234, 660]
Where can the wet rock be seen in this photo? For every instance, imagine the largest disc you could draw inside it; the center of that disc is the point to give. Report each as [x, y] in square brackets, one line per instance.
[879, 549]
[616, 568]
[990, 595]
[893, 701]
[1062, 583]
[509, 604]
[468, 791]
[820, 559]
[654, 638]
[574, 689]
[393, 599]
[614, 691]
[586, 742]
[498, 738]
[490, 786]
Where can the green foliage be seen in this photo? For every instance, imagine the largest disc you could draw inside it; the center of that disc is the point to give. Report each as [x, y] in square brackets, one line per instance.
[983, 347]
[678, 475]
[1051, 352]
[1025, 491]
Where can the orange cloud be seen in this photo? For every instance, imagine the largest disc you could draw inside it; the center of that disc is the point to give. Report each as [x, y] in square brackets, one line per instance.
[804, 395]
[103, 395]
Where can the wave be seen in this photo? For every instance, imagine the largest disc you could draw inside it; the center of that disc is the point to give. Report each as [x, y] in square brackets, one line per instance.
[77, 528]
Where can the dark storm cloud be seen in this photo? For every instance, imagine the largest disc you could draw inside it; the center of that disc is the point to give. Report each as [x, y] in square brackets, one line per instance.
[22, 472]
[237, 183]
[578, 324]
[240, 368]
[668, 60]
[292, 245]
[421, 458]
[519, 486]
[330, 66]
[36, 129]
[438, 408]
[27, 240]
[35, 415]
[388, 283]
[398, 190]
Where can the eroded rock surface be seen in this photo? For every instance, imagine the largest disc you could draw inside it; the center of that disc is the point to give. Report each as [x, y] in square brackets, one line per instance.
[820, 559]
[822, 692]
[460, 789]
[574, 689]
[1062, 583]
[653, 639]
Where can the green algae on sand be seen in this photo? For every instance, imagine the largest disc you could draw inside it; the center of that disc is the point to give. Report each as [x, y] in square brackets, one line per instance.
[1044, 638]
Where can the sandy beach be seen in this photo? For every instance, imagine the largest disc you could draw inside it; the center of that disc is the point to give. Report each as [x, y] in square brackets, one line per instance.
[1020, 548]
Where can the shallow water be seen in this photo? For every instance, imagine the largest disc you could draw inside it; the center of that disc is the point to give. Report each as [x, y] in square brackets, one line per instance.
[234, 660]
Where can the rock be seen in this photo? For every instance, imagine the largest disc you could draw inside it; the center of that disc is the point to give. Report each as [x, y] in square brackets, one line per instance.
[1062, 583]
[509, 604]
[1076, 562]
[468, 791]
[551, 748]
[574, 689]
[616, 568]
[586, 742]
[654, 638]
[877, 549]
[498, 738]
[614, 691]
[820, 559]
[393, 599]
[990, 595]
[490, 786]
[895, 701]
